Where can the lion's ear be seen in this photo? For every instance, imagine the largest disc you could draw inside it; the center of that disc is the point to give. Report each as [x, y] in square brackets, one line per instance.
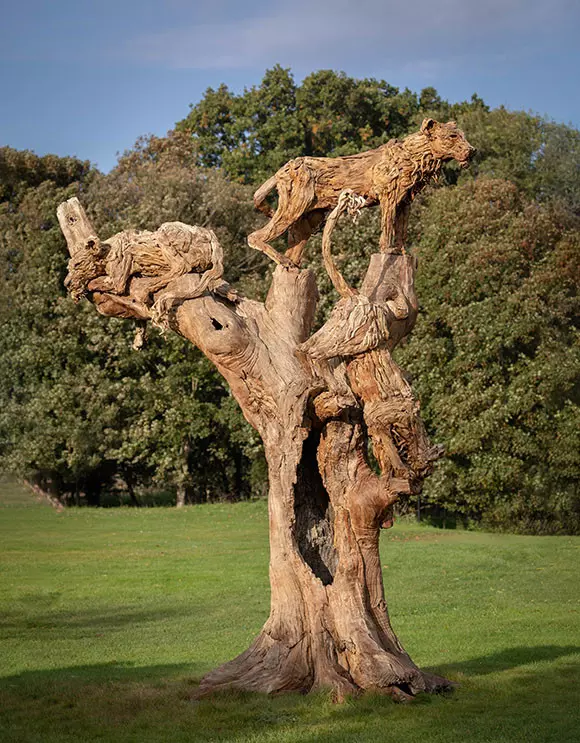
[427, 126]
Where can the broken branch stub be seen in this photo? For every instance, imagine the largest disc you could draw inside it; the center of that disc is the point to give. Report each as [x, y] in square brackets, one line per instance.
[74, 224]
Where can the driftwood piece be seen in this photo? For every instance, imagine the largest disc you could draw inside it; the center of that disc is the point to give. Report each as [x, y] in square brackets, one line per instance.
[390, 175]
[314, 406]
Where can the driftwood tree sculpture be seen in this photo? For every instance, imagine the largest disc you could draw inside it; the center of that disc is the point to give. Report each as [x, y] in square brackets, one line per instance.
[315, 400]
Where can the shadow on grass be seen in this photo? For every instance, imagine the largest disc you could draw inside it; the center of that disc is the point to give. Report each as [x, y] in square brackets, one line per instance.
[504, 660]
[97, 674]
[502, 697]
[81, 623]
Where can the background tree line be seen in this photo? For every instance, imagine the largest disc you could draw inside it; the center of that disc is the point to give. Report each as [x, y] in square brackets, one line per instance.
[495, 354]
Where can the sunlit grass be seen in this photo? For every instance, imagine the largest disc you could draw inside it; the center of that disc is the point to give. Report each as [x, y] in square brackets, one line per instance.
[110, 617]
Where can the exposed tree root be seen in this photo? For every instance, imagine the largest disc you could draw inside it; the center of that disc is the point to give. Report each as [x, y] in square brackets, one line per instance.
[272, 666]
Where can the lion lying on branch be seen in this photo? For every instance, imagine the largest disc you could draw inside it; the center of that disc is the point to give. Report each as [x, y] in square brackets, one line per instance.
[154, 258]
[391, 175]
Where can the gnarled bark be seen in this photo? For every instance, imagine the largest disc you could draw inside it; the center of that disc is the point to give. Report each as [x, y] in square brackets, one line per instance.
[314, 401]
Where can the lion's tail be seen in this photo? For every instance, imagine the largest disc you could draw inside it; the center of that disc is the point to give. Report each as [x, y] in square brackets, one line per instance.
[260, 196]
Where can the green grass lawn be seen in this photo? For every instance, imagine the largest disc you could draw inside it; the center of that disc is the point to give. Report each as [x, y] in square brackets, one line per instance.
[109, 617]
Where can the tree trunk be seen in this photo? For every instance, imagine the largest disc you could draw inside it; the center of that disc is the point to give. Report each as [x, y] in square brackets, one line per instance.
[315, 401]
[328, 624]
[128, 477]
[180, 496]
[43, 492]
[184, 476]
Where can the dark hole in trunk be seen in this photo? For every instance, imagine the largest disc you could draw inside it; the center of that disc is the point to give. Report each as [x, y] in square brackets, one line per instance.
[314, 530]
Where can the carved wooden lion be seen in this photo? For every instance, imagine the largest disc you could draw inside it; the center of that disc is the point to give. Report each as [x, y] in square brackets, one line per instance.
[156, 258]
[391, 175]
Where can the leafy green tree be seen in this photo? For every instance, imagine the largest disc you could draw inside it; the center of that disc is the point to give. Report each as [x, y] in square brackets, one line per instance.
[252, 134]
[83, 412]
[342, 115]
[538, 155]
[22, 169]
[496, 355]
[54, 403]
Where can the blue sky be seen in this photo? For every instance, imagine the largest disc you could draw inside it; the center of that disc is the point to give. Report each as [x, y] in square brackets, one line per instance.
[87, 78]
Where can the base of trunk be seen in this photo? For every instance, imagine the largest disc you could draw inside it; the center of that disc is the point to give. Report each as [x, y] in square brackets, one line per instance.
[329, 626]
[272, 666]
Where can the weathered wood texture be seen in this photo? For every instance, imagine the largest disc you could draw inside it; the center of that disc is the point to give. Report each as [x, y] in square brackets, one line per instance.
[391, 175]
[315, 401]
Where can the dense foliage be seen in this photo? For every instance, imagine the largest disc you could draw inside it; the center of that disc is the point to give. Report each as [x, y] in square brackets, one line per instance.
[252, 134]
[495, 353]
[82, 412]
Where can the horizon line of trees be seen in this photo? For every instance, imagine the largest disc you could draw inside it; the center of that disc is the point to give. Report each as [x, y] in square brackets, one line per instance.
[495, 354]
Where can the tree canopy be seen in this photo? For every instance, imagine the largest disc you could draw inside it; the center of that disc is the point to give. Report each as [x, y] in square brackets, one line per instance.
[252, 134]
[496, 356]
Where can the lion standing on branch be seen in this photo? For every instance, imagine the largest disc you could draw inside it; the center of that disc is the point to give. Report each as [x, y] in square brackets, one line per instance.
[390, 175]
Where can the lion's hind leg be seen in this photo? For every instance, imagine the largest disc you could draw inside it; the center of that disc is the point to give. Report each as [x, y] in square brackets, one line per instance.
[271, 231]
[301, 231]
[296, 196]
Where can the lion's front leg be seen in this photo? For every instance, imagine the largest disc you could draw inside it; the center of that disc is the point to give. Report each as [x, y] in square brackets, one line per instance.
[119, 273]
[257, 241]
[401, 226]
[388, 217]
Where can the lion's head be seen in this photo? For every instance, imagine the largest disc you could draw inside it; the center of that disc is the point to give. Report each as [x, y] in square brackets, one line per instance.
[447, 142]
[88, 263]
